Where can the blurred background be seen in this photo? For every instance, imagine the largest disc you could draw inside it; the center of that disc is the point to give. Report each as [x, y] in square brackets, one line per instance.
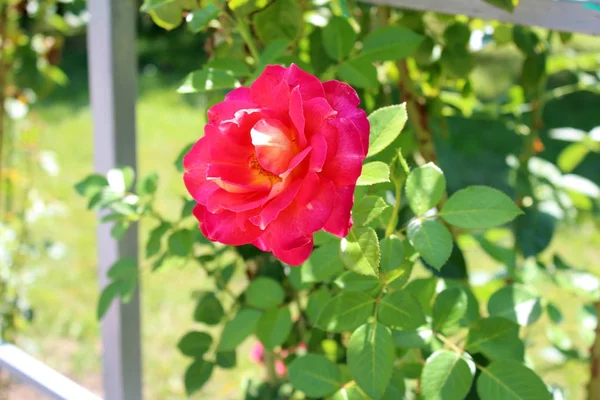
[48, 272]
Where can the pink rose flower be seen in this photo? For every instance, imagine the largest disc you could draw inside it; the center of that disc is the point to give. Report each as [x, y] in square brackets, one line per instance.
[279, 161]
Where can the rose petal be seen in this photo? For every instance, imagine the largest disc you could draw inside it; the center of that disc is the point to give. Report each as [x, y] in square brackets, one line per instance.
[222, 200]
[340, 221]
[289, 236]
[319, 153]
[273, 144]
[241, 93]
[344, 99]
[345, 166]
[270, 90]
[237, 178]
[227, 109]
[224, 228]
[310, 86]
[295, 162]
[296, 113]
[317, 112]
[276, 205]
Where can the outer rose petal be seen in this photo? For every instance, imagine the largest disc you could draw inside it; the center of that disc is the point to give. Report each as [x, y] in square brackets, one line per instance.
[195, 164]
[310, 86]
[224, 228]
[344, 99]
[226, 109]
[289, 236]
[241, 93]
[270, 90]
[340, 221]
[345, 166]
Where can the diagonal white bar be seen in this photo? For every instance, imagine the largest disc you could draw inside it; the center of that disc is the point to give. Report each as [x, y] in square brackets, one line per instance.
[569, 16]
[112, 73]
[38, 375]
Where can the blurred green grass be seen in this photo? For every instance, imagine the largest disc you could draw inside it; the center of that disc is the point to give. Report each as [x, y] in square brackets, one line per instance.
[65, 333]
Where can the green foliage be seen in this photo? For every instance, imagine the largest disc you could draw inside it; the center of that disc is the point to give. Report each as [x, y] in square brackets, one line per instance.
[371, 358]
[315, 375]
[354, 322]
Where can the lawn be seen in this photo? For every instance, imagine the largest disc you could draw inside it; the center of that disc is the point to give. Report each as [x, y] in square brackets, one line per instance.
[65, 333]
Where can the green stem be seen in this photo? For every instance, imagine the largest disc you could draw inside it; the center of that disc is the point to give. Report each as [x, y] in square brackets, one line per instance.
[244, 30]
[394, 220]
[269, 361]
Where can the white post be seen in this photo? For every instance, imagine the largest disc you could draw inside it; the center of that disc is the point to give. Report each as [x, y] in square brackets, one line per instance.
[112, 74]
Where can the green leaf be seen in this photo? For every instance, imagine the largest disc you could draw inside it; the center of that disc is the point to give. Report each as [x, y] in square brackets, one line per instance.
[109, 293]
[358, 73]
[554, 313]
[346, 312]
[359, 251]
[449, 308]
[534, 231]
[91, 185]
[209, 310]
[495, 338]
[356, 283]
[400, 310]
[120, 180]
[147, 185]
[125, 268]
[195, 344]
[423, 289]
[264, 293]
[392, 253]
[280, 20]
[198, 19]
[432, 240]
[396, 389]
[374, 172]
[415, 338]
[155, 238]
[274, 327]
[207, 79]
[226, 359]
[389, 43]
[508, 5]
[338, 38]
[571, 156]
[239, 328]
[446, 376]
[386, 124]
[367, 209]
[350, 392]
[179, 161]
[167, 15]
[516, 303]
[323, 264]
[317, 301]
[371, 358]
[231, 65]
[197, 374]
[181, 242]
[479, 207]
[510, 380]
[425, 187]
[270, 54]
[314, 375]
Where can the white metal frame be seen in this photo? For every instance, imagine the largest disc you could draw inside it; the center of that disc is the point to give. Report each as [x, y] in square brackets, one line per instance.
[563, 15]
[113, 72]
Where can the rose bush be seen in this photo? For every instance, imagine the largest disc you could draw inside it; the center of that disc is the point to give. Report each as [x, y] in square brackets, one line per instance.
[279, 161]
